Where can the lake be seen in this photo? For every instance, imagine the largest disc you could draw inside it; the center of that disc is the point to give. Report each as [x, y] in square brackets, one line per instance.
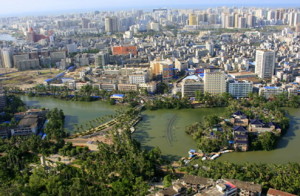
[7, 37]
[166, 129]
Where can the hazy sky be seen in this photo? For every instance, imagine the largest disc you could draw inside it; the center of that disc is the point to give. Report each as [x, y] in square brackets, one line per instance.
[20, 7]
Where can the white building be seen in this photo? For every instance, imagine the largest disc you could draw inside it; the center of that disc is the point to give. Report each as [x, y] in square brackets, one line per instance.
[150, 87]
[240, 89]
[265, 63]
[138, 78]
[214, 81]
[154, 26]
[270, 91]
[6, 58]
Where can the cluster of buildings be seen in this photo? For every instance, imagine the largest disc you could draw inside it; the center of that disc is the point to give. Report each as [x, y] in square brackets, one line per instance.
[30, 122]
[243, 126]
[199, 186]
[121, 58]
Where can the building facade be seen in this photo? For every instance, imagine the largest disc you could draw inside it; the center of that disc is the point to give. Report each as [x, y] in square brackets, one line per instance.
[190, 87]
[239, 89]
[214, 81]
[265, 63]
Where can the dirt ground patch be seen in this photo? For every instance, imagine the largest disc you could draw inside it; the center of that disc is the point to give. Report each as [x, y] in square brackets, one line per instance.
[27, 79]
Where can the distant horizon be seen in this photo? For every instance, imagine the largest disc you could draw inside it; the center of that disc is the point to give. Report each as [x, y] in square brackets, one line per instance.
[70, 10]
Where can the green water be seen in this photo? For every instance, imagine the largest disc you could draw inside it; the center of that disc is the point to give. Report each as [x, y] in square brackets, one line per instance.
[75, 112]
[165, 129]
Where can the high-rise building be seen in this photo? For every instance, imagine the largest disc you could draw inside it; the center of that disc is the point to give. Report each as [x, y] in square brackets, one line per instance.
[2, 99]
[242, 22]
[236, 20]
[192, 19]
[111, 24]
[6, 58]
[101, 59]
[85, 23]
[265, 63]
[214, 81]
[210, 47]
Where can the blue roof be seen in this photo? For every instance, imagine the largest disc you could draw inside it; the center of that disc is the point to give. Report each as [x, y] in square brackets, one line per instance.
[5, 122]
[72, 67]
[49, 80]
[118, 95]
[43, 137]
[192, 151]
[270, 87]
[61, 74]
[95, 97]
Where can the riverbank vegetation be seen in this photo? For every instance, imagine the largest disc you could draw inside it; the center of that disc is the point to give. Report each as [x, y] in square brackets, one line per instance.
[86, 93]
[168, 103]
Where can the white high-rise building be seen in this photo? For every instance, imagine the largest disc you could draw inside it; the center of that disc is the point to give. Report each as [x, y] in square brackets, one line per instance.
[265, 63]
[210, 47]
[6, 58]
[214, 81]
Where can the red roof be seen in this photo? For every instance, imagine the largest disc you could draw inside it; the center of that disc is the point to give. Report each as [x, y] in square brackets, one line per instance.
[274, 192]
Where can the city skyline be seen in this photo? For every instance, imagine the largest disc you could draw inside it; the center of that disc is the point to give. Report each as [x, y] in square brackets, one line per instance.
[34, 7]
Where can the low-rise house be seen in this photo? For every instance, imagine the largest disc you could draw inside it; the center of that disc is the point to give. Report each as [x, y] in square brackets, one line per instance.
[199, 186]
[30, 123]
[241, 143]
[247, 188]
[221, 188]
[196, 182]
[174, 190]
[239, 119]
[257, 126]
[127, 87]
[239, 130]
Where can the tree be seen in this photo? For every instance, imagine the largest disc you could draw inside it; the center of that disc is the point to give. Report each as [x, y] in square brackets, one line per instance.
[268, 141]
[167, 181]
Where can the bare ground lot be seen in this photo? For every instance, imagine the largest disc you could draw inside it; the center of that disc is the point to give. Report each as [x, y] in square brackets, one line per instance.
[26, 79]
[91, 142]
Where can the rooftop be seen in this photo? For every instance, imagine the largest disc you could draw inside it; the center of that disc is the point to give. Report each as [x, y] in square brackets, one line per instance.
[248, 186]
[274, 192]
